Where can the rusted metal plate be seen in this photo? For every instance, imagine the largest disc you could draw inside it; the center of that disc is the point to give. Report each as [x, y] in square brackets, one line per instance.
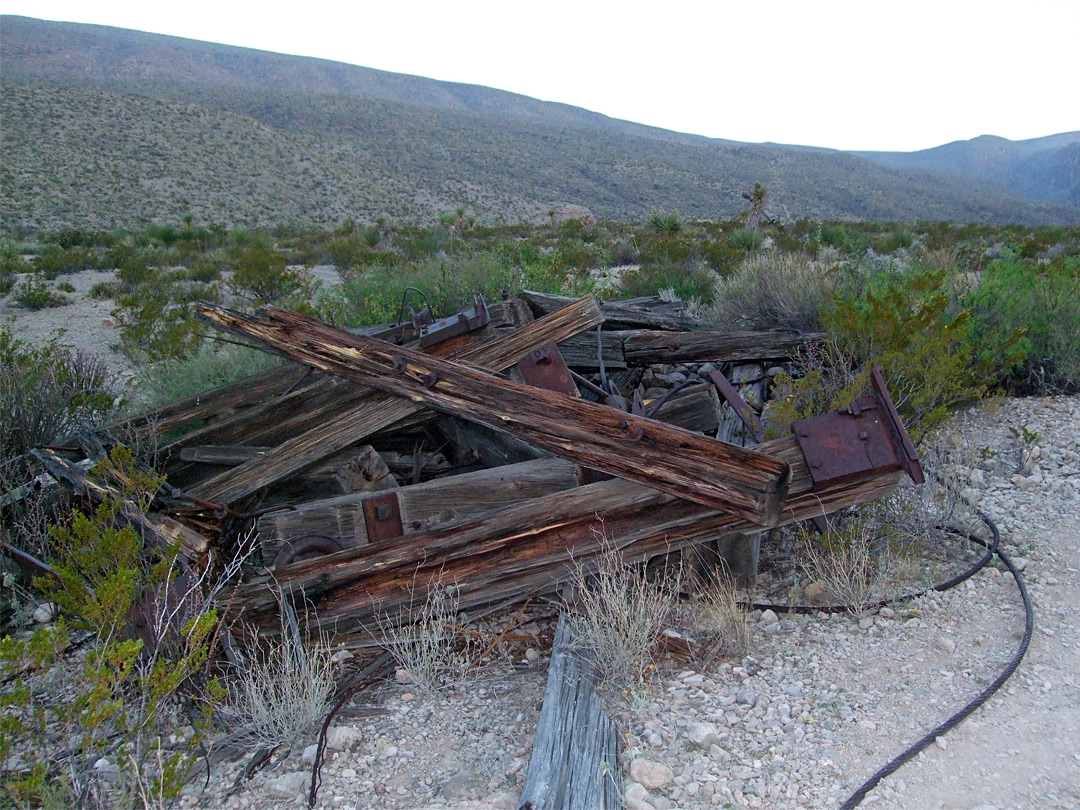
[865, 439]
[467, 321]
[738, 404]
[545, 368]
[847, 445]
[382, 517]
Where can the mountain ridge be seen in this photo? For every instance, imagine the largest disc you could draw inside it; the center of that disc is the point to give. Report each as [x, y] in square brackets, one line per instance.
[116, 128]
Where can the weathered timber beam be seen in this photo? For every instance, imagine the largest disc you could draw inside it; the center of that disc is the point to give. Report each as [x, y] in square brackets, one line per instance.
[423, 506]
[377, 411]
[579, 352]
[695, 408]
[694, 467]
[650, 312]
[574, 751]
[520, 549]
[207, 404]
[646, 348]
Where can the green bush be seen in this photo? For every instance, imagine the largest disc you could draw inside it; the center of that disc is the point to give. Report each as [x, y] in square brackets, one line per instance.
[154, 320]
[696, 283]
[375, 295]
[1043, 301]
[126, 688]
[665, 223]
[210, 366]
[45, 393]
[262, 276]
[903, 322]
[104, 290]
[34, 293]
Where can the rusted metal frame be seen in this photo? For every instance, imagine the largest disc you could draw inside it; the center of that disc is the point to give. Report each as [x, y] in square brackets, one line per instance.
[744, 482]
[738, 404]
[468, 320]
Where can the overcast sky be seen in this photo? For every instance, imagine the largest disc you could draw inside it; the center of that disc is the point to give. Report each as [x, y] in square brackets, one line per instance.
[850, 75]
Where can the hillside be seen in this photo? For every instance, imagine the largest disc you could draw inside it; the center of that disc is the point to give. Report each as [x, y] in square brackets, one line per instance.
[1045, 169]
[107, 128]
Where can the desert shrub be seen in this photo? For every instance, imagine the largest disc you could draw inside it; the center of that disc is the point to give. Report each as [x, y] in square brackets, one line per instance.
[618, 614]
[449, 285]
[282, 692]
[719, 617]
[154, 320]
[894, 240]
[211, 365]
[7, 283]
[822, 379]
[665, 223]
[65, 286]
[45, 394]
[34, 293]
[1043, 300]
[204, 271]
[772, 291]
[903, 322]
[624, 253]
[833, 235]
[262, 276]
[241, 239]
[54, 263]
[745, 239]
[104, 290]
[128, 692]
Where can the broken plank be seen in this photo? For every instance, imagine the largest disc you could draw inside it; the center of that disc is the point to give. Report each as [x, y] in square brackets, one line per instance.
[580, 353]
[650, 312]
[647, 348]
[160, 530]
[573, 765]
[697, 468]
[215, 403]
[376, 411]
[695, 408]
[521, 549]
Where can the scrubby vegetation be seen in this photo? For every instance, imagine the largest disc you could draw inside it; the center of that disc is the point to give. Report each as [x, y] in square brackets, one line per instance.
[948, 313]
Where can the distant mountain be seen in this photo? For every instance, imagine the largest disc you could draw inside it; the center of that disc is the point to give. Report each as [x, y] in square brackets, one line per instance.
[104, 127]
[1046, 169]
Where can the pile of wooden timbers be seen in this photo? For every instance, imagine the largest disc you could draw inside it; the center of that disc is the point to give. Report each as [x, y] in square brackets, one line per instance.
[490, 450]
[494, 451]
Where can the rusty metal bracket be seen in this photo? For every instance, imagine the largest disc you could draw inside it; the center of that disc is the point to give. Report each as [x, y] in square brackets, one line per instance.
[382, 517]
[864, 439]
[468, 320]
[738, 404]
[544, 367]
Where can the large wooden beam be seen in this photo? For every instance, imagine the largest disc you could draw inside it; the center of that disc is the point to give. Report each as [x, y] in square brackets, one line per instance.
[524, 548]
[377, 411]
[697, 468]
[646, 348]
[423, 507]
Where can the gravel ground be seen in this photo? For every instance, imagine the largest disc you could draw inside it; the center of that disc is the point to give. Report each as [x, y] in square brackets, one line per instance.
[818, 706]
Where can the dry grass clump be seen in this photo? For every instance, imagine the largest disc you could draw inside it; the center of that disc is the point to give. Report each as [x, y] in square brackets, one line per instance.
[426, 643]
[618, 613]
[722, 618]
[285, 689]
[773, 290]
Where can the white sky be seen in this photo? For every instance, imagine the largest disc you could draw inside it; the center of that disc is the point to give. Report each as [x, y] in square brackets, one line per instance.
[847, 74]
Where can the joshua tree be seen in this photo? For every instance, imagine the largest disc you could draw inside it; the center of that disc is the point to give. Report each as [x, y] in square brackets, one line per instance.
[757, 206]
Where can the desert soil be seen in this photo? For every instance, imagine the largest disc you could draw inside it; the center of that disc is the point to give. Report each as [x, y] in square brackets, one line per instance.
[816, 707]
